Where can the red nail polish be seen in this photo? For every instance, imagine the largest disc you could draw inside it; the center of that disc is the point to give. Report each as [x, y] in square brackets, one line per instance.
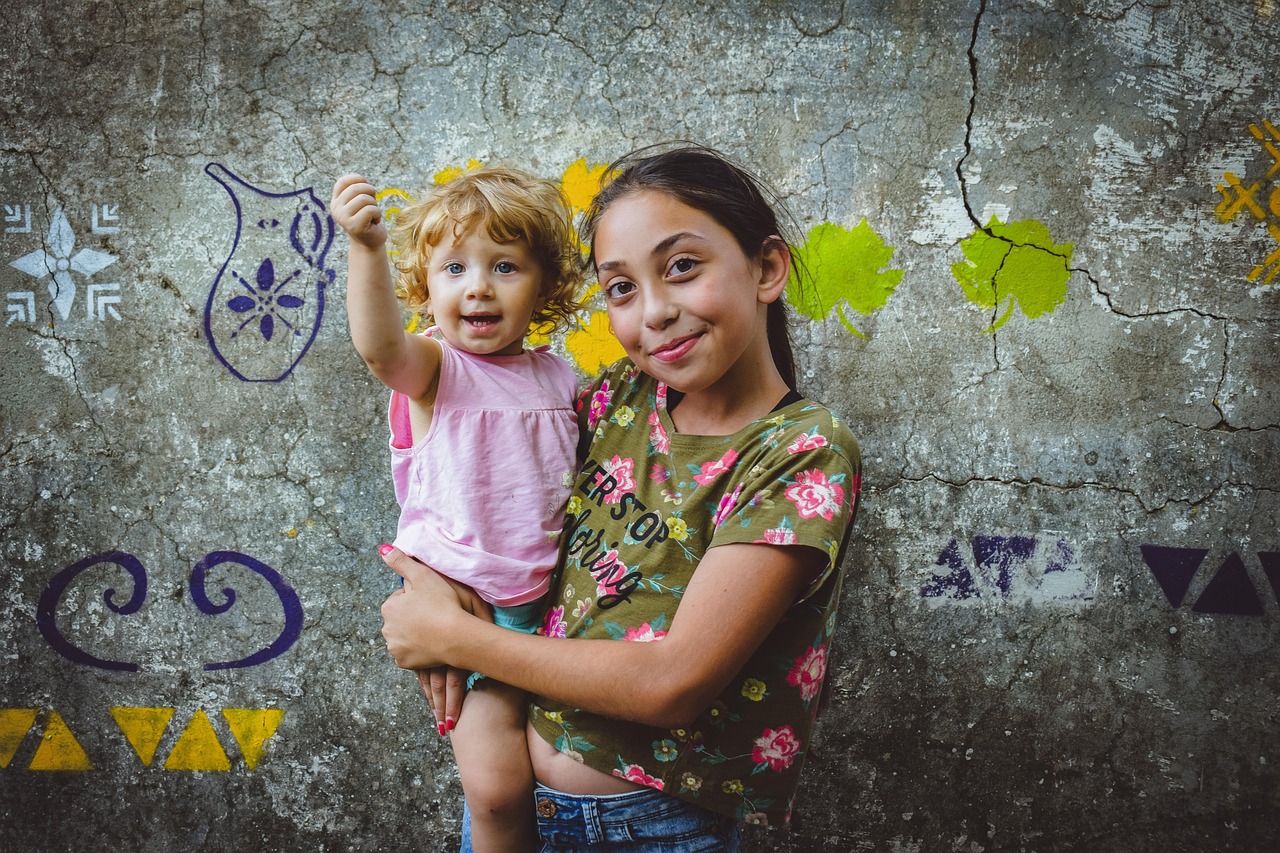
[440, 728]
[448, 724]
[385, 549]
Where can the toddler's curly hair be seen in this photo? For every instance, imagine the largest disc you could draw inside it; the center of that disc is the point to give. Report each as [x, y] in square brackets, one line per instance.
[510, 205]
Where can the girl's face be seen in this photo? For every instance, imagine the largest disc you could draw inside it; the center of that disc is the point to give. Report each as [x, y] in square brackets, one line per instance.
[483, 293]
[686, 303]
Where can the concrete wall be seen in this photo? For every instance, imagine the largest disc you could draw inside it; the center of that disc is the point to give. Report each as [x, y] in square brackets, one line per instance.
[1045, 243]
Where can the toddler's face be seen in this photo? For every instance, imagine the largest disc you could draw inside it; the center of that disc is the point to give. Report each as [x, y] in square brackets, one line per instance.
[483, 293]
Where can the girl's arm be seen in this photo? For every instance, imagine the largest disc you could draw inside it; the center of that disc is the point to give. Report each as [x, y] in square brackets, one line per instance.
[736, 597]
[403, 362]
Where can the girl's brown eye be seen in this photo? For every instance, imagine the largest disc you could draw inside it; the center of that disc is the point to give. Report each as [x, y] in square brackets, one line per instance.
[619, 289]
[683, 265]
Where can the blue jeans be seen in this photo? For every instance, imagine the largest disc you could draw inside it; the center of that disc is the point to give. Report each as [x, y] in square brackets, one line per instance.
[643, 821]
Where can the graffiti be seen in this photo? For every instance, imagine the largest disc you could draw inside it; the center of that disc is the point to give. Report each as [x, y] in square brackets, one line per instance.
[1009, 568]
[197, 748]
[56, 261]
[46, 611]
[17, 219]
[846, 267]
[21, 307]
[267, 300]
[1014, 264]
[1230, 592]
[1260, 199]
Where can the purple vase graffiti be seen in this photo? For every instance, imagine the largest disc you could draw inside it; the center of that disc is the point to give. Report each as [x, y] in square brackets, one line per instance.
[266, 304]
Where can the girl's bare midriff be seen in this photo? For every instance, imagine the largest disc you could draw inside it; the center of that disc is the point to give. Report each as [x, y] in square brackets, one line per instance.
[559, 771]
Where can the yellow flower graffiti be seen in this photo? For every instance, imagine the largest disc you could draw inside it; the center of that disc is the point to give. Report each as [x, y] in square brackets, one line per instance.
[593, 345]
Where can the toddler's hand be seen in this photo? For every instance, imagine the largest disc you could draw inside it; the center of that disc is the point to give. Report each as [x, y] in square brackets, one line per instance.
[355, 207]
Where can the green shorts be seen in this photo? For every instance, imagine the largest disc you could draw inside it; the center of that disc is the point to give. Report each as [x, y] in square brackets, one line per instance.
[525, 618]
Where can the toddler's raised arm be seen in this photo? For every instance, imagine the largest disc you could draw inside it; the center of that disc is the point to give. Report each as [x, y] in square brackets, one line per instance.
[403, 362]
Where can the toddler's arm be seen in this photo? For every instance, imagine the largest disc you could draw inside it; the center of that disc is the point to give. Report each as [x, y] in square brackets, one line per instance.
[403, 362]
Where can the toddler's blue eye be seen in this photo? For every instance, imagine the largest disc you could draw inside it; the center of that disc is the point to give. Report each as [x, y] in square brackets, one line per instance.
[454, 268]
[506, 267]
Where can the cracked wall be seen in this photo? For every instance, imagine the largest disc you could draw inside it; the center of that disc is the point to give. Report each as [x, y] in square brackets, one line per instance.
[1046, 249]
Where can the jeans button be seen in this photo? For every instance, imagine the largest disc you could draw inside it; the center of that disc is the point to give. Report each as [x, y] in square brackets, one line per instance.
[546, 808]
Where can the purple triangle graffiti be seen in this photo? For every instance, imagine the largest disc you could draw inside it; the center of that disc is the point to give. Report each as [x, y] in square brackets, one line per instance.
[1271, 568]
[1230, 592]
[1173, 568]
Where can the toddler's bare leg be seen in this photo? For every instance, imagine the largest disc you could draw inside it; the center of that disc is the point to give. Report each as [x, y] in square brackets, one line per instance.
[493, 760]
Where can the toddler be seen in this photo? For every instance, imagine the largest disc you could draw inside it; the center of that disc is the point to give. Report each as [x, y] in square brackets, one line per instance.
[483, 431]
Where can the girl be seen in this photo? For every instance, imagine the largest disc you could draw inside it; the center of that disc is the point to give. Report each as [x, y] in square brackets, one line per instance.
[700, 564]
[483, 257]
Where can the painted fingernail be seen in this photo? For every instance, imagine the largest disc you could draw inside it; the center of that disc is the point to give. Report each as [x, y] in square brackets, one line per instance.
[440, 727]
[385, 549]
[448, 724]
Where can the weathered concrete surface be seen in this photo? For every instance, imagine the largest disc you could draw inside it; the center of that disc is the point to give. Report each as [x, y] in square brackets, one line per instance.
[1061, 622]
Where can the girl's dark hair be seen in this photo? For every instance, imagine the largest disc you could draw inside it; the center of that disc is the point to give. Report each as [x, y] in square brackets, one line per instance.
[705, 180]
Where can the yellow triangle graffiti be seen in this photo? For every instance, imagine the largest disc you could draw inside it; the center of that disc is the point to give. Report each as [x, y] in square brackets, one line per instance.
[198, 748]
[59, 749]
[252, 728]
[143, 727]
[14, 725]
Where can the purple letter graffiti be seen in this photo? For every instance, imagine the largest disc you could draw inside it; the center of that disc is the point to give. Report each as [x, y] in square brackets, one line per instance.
[265, 307]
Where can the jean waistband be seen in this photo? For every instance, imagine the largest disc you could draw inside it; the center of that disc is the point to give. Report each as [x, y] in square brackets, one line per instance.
[587, 819]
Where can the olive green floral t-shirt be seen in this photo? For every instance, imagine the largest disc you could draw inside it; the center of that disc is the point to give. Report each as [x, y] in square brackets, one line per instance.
[647, 505]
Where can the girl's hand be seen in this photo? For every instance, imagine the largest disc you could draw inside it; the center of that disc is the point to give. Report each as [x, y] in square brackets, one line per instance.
[416, 618]
[355, 207]
[444, 687]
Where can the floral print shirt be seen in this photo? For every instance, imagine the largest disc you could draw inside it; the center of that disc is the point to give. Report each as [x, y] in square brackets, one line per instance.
[646, 506]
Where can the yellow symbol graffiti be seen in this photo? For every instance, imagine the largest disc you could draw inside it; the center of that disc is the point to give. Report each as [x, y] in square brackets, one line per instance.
[59, 749]
[1254, 198]
[14, 725]
[198, 748]
[143, 728]
[252, 728]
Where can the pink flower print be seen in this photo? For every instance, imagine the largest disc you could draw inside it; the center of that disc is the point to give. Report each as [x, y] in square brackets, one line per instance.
[779, 536]
[659, 473]
[808, 671]
[711, 470]
[807, 442]
[635, 773]
[623, 471]
[660, 396]
[814, 495]
[658, 435]
[727, 503]
[644, 634]
[609, 574]
[778, 748]
[599, 402]
[554, 625]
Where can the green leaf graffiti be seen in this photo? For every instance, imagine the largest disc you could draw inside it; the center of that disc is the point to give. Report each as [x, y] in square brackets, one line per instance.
[1018, 262]
[845, 268]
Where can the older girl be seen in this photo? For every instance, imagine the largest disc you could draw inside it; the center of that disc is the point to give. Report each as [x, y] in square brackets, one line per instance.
[678, 681]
